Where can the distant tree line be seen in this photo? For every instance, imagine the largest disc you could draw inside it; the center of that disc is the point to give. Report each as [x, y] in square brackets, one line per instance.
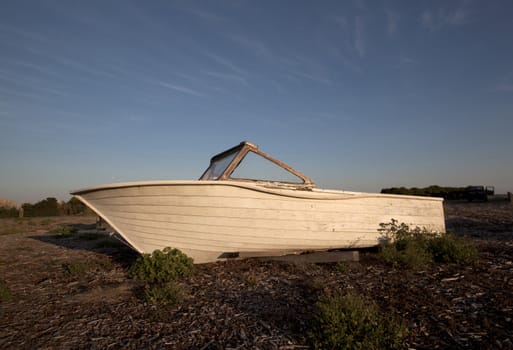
[431, 191]
[47, 207]
[10, 212]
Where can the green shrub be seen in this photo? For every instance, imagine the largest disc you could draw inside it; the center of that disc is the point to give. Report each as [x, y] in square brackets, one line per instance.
[168, 293]
[161, 266]
[64, 231]
[450, 249]
[410, 256]
[75, 268]
[5, 294]
[416, 248]
[349, 321]
[403, 246]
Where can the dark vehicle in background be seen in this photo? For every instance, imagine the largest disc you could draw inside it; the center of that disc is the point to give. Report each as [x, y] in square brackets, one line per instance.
[479, 193]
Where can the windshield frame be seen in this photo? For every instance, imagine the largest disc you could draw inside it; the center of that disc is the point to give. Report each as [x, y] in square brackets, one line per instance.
[237, 154]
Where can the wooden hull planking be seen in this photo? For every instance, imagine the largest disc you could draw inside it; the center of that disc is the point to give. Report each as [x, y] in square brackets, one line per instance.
[214, 220]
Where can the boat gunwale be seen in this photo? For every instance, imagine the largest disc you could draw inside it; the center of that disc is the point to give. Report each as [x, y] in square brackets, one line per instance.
[264, 187]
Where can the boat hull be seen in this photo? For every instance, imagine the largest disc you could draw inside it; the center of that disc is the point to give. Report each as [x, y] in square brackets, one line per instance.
[216, 220]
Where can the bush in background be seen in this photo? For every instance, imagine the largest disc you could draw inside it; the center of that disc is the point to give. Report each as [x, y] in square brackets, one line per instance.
[431, 191]
[10, 212]
[450, 249]
[48, 207]
[416, 248]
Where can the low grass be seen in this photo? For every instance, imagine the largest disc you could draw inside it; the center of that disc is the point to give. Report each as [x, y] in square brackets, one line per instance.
[64, 231]
[5, 294]
[350, 321]
[10, 231]
[166, 293]
[416, 248]
[76, 268]
[342, 267]
[47, 222]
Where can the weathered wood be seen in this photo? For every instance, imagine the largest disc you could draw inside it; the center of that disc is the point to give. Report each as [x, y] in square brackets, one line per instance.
[207, 219]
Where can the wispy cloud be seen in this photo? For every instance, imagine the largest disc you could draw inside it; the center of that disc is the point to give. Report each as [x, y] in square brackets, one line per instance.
[301, 67]
[202, 13]
[229, 77]
[205, 14]
[359, 37]
[36, 85]
[503, 87]
[348, 62]
[360, 4]
[225, 62]
[505, 83]
[44, 47]
[72, 63]
[179, 88]
[133, 74]
[320, 118]
[458, 17]
[34, 68]
[312, 77]
[405, 61]
[341, 21]
[25, 95]
[278, 86]
[392, 22]
[232, 72]
[257, 47]
[23, 34]
[138, 118]
[347, 52]
[434, 21]
[352, 34]
[4, 113]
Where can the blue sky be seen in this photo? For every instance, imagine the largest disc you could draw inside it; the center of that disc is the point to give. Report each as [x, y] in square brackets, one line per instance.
[358, 95]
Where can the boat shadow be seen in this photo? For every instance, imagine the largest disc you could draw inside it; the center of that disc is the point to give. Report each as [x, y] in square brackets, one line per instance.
[277, 298]
[87, 237]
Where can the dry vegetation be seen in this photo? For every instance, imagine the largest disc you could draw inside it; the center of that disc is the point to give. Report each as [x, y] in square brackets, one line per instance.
[63, 287]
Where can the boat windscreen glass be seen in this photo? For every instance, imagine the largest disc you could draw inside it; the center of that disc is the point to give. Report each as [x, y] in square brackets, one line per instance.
[255, 167]
[218, 166]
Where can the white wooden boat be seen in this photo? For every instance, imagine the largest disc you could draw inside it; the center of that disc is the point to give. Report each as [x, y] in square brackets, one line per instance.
[233, 211]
